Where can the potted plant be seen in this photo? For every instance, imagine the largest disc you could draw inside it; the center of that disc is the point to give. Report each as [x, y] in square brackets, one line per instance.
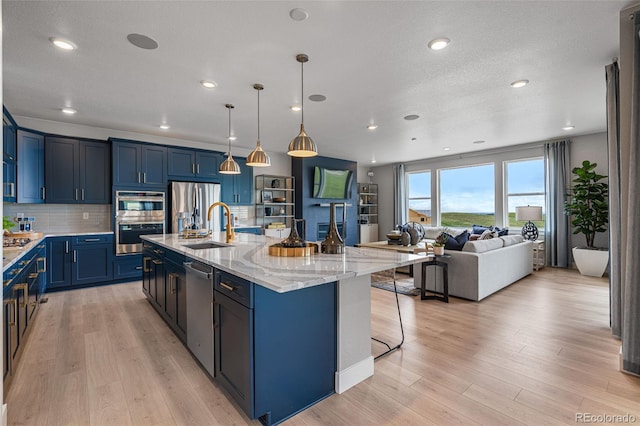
[589, 211]
[438, 244]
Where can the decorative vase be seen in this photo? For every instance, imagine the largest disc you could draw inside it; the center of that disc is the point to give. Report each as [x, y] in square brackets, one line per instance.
[333, 242]
[591, 262]
[405, 238]
[438, 250]
[415, 236]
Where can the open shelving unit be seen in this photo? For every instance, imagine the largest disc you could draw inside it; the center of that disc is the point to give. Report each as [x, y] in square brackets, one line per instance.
[275, 204]
[368, 212]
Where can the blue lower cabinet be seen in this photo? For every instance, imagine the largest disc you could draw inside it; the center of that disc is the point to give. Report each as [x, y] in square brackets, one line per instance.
[127, 267]
[176, 297]
[274, 352]
[249, 230]
[82, 260]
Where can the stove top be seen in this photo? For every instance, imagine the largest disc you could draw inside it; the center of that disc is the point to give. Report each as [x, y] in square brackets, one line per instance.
[15, 242]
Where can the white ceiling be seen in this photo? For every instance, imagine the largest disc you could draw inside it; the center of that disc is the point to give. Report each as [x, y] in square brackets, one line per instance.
[369, 58]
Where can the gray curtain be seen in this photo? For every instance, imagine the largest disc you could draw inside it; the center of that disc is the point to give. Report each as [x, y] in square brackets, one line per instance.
[613, 142]
[631, 282]
[557, 182]
[399, 193]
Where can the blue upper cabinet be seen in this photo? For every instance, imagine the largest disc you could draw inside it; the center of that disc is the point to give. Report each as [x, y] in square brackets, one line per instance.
[30, 185]
[238, 189]
[8, 181]
[138, 165]
[77, 171]
[8, 136]
[184, 163]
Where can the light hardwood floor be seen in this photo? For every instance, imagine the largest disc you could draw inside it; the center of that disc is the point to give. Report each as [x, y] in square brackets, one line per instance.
[537, 352]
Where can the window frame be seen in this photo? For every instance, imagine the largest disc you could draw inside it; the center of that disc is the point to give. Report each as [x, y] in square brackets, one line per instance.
[507, 194]
[467, 166]
[408, 190]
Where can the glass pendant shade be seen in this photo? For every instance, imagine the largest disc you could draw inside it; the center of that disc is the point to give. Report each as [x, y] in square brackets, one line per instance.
[229, 166]
[302, 145]
[258, 158]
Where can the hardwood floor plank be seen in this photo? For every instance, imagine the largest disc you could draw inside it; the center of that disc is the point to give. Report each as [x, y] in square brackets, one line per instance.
[69, 404]
[102, 368]
[108, 406]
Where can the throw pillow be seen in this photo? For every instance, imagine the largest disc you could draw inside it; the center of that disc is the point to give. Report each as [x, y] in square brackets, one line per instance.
[501, 232]
[457, 242]
[479, 229]
[488, 234]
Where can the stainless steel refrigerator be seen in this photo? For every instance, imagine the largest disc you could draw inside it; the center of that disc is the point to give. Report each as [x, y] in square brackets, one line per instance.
[190, 202]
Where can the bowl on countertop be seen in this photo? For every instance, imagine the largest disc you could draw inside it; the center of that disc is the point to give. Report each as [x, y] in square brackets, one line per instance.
[394, 236]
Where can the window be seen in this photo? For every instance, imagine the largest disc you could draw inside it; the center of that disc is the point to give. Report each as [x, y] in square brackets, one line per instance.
[419, 194]
[467, 196]
[524, 187]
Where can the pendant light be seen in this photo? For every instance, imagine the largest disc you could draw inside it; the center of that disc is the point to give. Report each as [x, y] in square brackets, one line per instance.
[229, 166]
[302, 145]
[258, 158]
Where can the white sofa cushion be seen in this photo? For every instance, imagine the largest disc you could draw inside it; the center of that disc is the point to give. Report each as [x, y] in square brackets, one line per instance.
[481, 246]
[510, 240]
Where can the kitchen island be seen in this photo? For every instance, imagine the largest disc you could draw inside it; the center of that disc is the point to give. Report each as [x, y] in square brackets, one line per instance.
[305, 322]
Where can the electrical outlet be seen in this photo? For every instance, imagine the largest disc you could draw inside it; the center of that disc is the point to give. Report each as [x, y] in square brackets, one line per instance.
[85, 215]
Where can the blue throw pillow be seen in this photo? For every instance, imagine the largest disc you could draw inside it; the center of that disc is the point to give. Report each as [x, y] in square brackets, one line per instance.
[479, 229]
[501, 232]
[456, 243]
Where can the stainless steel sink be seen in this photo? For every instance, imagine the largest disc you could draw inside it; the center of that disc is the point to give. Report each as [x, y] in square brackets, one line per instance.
[206, 245]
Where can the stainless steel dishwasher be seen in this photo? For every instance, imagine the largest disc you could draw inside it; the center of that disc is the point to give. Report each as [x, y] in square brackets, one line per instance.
[200, 313]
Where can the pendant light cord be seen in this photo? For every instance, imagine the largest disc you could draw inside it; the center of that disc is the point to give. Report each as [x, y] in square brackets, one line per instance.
[302, 91]
[258, 116]
[229, 134]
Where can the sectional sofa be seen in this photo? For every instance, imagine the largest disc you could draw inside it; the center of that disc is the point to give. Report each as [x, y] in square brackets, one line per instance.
[482, 267]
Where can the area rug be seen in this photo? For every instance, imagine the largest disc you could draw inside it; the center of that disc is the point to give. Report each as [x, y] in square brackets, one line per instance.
[404, 283]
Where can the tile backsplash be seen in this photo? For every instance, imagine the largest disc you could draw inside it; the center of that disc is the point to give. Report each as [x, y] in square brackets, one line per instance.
[60, 218]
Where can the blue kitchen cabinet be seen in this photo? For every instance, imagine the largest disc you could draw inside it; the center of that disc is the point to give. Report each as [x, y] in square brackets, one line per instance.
[59, 260]
[9, 181]
[184, 163]
[138, 165]
[127, 267]
[31, 179]
[247, 230]
[9, 128]
[77, 171]
[176, 297]
[82, 260]
[92, 259]
[263, 336]
[238, 189]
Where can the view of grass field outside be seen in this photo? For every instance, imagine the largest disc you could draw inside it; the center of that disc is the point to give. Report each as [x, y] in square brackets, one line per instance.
[525, 187]
[467, 196]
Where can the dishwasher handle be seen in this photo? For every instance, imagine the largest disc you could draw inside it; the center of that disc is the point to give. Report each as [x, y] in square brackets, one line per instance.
[191, 267]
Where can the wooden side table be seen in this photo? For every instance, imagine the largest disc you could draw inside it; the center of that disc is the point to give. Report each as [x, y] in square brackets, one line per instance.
[538, 255]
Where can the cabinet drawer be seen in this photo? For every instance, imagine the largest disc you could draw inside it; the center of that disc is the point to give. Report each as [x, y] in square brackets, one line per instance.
[92, 239]
[236, 288]
[127, 267]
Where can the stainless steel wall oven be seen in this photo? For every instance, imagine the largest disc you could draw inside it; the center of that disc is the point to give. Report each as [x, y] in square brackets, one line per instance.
[137, 213]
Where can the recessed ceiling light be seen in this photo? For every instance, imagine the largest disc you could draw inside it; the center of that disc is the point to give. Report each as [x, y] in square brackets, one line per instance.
[372, 126]
[68, 110]
[298, 14]
[373, 161]
[295, 108]
[568, 127]
[317, 98]
[232, 138]
[208, 84]
[439, 43]
[478, 142]
[142, 41]
[446, 148]
[414, 139]
[519, 83]
[165, 126]
[63, 44]
[411, 117]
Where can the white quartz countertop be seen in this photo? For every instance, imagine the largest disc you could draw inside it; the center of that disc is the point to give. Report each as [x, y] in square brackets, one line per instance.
[248, 257]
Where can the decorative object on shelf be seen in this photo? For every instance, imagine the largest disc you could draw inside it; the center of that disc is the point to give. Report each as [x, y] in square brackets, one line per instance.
[589, 211]
[279, 199]
[334, 242]
[267, 196]
[302, 145]
[275, 183]
[418, 228]
[405, 238]
[229, 166]
[529, 213]
[258, 158]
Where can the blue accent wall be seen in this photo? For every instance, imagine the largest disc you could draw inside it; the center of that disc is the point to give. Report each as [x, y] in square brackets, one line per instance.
[307, 207]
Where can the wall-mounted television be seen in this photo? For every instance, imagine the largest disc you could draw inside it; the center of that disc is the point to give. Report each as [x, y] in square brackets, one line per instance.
[332, 183]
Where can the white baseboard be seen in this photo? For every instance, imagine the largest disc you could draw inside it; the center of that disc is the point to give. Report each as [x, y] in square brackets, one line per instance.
[4, 414]
[353, 375]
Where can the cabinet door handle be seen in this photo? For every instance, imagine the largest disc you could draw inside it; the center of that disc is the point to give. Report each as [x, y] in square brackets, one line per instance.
[144, 177]
[173, 278]
[82, 193]
[139, 268]
[138, 177]
[66, 247]
[44, 264]
[227, 286]
[75, 256]
[145, 268]
[76, 196]
[157, 262]
[91, 240]
[33, 275]
[12, 320]
[25, 288]
[12, 189]
[193, 168]
[198, 168]
[44, 194]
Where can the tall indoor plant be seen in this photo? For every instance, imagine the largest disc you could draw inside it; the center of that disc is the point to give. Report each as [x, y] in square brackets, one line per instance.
[589, 210]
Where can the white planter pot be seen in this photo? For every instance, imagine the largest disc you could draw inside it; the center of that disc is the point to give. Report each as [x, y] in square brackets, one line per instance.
[592, 263]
